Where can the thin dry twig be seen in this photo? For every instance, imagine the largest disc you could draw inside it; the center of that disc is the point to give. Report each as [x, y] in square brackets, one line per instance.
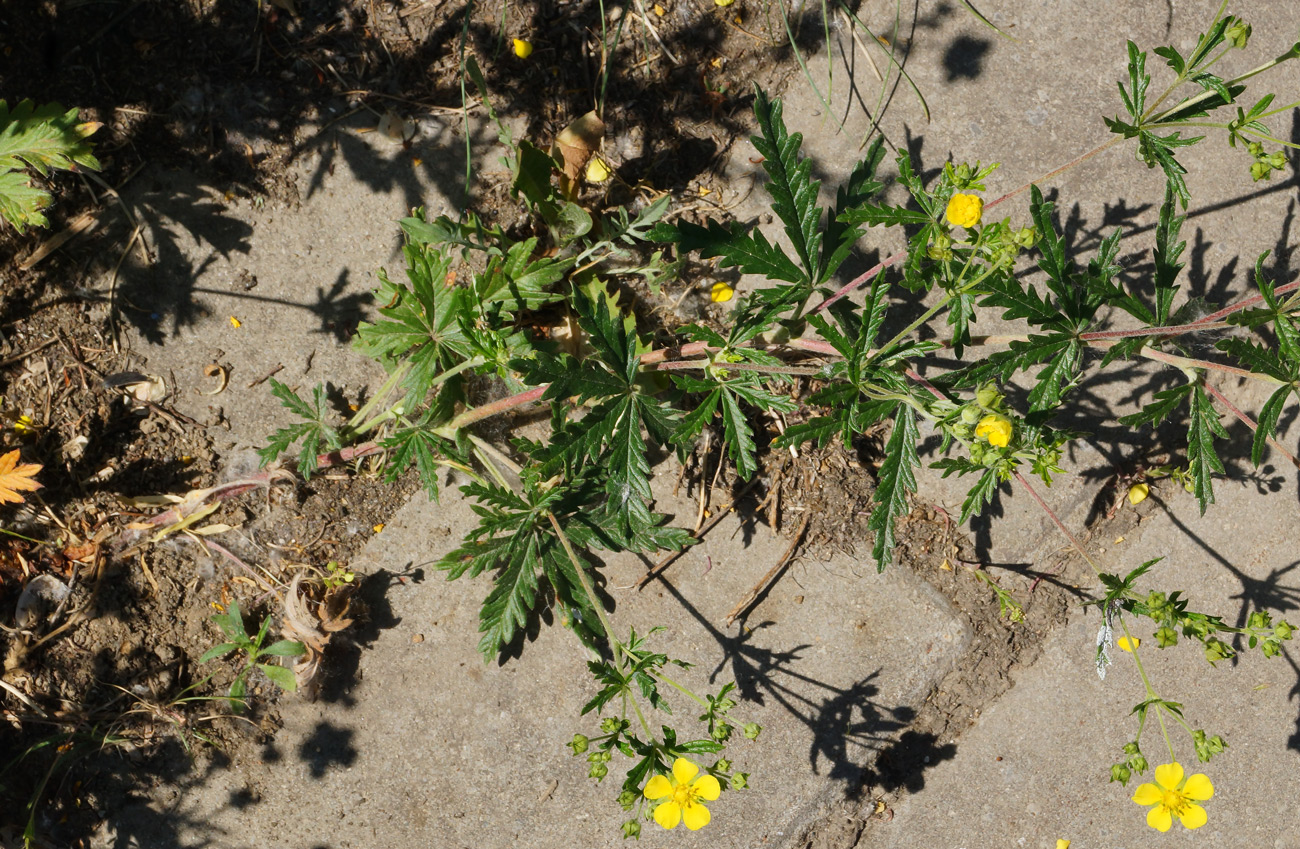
[771, 576]
[659, 567]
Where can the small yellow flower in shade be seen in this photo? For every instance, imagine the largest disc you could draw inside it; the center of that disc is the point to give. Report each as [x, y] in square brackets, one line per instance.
[994, 428]
[1173, 796]
[721, 293]
[236, 323]
[965, 210]
[682, 794]
[1062, 844]
[1125, 644]
[597, 170]
[1138, 492]
[523, 48]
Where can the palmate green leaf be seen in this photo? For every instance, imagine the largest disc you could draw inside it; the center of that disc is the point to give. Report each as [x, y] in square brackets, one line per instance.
[793, 191]
[737, 246]
[44, 138]
[1018, 300]
[21, 202]
[416, 444]
[313, 432]
[520, 282]
[1202, 429]
[897, 479]
[610, 330]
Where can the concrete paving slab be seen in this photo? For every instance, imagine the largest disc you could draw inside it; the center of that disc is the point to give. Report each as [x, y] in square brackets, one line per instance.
[430, 747]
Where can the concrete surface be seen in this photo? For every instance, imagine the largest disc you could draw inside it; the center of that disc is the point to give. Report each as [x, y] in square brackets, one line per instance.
[431, 748]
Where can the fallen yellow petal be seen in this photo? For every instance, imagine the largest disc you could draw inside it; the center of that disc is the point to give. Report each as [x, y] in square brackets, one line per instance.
[1125, 644]
[721, 293]
[1138, 492]
[379, 527]
[234, 322]
[723, 2]
[660, 10]
[523, 48]
[597, 170]
[1062, 844]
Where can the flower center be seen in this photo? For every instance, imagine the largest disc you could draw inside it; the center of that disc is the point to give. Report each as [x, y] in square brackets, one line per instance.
[683, 796]
[1174, 801]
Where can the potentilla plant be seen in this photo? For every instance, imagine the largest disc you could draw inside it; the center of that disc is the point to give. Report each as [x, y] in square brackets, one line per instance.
[545, 505]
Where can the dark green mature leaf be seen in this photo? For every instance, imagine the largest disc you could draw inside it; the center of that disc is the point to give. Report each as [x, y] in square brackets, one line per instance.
[1267, 424]
[735, 244]
[416, 444]
[1202, 429]
[1019, 301]
[1059, 375]
[981, 493]
[1166, 401]
[793, 191]
[1135, 96]
[1258, 358]
[1054, 263]
[897, 479]
[840, 234]
[1167, 252]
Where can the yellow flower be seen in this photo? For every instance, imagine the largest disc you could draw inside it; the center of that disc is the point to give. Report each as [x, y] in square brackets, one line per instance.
[1172, 795]
[523, 48]
[1137, 493]
[965, 210]
[684, 792]
[996, 429]
[1128, 645]
[721, 293]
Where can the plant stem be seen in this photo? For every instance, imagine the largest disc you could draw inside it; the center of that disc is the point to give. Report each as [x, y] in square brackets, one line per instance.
[1151, 691]
[384, 391]
[678, 687]
[1078, 546]
[1245, 303]
[499, 406]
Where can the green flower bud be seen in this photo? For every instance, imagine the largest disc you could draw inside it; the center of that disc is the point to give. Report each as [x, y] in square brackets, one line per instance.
[631, 829]
[1132, 748]
[1025, 237]
[1166, 637]
[1260, 171]
[740, 780]
[1238, 33]
[1259, 620]
[723, 765]
[971, 414]
[1217, 650]
[722, 732]
[578, 744]
[1277, 159]
[598, 771]
[1120, 773]
[1283, 629]
[1271, 648]
[989, 397]
[595, 757]
[1138, 763]
[627, 799]
[961, 175]
[610, 725]
[752, 730]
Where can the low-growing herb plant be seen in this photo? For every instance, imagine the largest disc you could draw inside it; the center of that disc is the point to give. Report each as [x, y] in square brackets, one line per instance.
[251, 645]
[461, 316]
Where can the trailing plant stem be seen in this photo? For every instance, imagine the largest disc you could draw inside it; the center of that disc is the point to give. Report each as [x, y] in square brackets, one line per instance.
[1248, 421]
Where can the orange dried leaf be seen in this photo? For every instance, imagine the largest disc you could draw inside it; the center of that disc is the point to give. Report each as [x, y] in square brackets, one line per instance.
[15, 478]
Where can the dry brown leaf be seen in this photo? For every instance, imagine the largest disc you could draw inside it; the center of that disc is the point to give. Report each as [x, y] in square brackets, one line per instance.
[575, 145]
[15, 478]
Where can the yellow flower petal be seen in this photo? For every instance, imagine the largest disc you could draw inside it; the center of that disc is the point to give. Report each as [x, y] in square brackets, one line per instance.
[994, 428]
[523, 48]
[1191, 816]
[670, 813]
[1126, 644]
[696, 816]
[1137, 493]
[684, 771]
[234, 322]
[1198, 788]
[706, 787]
[1062, 844]
[1158, 818]
[1169, 776]
[660, 10]
[721, 293]
[597, 170]
[723, 2]
[965, 210]
[658, 787]
[1146, 794]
